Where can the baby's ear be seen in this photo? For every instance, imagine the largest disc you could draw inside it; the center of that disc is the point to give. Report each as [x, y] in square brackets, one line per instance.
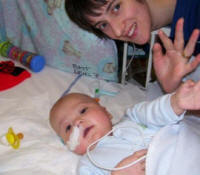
[108, 113]
[96, 99]
[110, 116]
[61, 140]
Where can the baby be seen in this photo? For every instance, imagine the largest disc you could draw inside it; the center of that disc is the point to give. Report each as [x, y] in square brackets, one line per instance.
[85, 126]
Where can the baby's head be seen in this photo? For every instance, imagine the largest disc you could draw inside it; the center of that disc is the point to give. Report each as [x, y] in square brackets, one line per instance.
[76, 111]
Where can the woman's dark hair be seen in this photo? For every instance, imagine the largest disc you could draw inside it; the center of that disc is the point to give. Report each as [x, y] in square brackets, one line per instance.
[79, 10]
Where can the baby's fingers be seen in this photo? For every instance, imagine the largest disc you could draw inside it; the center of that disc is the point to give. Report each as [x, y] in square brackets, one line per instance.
[143, 164]
[188, 84]
[140, 153]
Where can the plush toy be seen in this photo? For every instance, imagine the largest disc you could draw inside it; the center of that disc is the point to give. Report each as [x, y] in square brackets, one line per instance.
[11, 75]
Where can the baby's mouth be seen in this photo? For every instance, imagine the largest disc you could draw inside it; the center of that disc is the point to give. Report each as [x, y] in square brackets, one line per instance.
[86, 131]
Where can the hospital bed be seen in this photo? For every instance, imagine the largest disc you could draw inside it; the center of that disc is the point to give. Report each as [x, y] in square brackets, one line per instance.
[26, 107]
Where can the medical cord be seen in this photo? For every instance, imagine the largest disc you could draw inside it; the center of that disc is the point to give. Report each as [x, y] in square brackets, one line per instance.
[132, 57]
[110, 168]
[72, 84]
[130, 61]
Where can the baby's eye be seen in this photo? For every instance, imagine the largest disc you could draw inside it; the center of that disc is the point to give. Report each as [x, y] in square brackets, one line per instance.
[68, 128]
[116, 7]
[83, 110]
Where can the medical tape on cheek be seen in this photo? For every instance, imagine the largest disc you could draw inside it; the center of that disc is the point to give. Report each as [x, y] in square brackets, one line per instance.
[73, 141]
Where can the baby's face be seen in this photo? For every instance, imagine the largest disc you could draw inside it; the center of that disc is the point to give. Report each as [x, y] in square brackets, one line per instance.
[82, 111]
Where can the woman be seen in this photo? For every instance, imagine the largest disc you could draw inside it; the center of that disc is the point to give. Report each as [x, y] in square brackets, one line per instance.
[133, 21]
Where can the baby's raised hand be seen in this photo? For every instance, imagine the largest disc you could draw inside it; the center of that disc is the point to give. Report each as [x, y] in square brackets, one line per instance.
[171, 66]
[186, 97]
[136, 169]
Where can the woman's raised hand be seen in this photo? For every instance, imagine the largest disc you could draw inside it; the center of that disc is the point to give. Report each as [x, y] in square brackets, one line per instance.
[171, 66]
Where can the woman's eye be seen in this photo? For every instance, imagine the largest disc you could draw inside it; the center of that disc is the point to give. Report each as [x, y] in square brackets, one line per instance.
[68, 127]
[102, 26]
[116, 7]
[83, 110]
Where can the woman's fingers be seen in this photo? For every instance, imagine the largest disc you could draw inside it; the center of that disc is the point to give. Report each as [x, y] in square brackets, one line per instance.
[179, 40]
[168, 45]
[157, 51]
[179, 36]
[178, 44]
[194, 63]
[189, 49]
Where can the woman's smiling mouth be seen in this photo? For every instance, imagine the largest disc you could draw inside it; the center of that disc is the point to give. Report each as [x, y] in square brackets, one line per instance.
[132, 30]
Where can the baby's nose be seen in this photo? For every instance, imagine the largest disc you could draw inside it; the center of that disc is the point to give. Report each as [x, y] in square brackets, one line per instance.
[78, 122]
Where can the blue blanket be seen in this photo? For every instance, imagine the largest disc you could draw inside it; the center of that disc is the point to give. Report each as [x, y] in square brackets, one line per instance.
[42, 26]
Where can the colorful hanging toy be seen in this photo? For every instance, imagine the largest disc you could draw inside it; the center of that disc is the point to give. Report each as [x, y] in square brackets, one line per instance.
[11, 139]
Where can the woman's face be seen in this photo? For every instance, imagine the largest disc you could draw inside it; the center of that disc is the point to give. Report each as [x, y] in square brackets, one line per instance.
[126, 20]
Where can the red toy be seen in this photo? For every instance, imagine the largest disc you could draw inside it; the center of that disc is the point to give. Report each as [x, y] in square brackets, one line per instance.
[11, 75]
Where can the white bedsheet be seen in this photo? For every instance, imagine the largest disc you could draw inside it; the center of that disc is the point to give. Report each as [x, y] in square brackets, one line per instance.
[25, 108]
[175, 150]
